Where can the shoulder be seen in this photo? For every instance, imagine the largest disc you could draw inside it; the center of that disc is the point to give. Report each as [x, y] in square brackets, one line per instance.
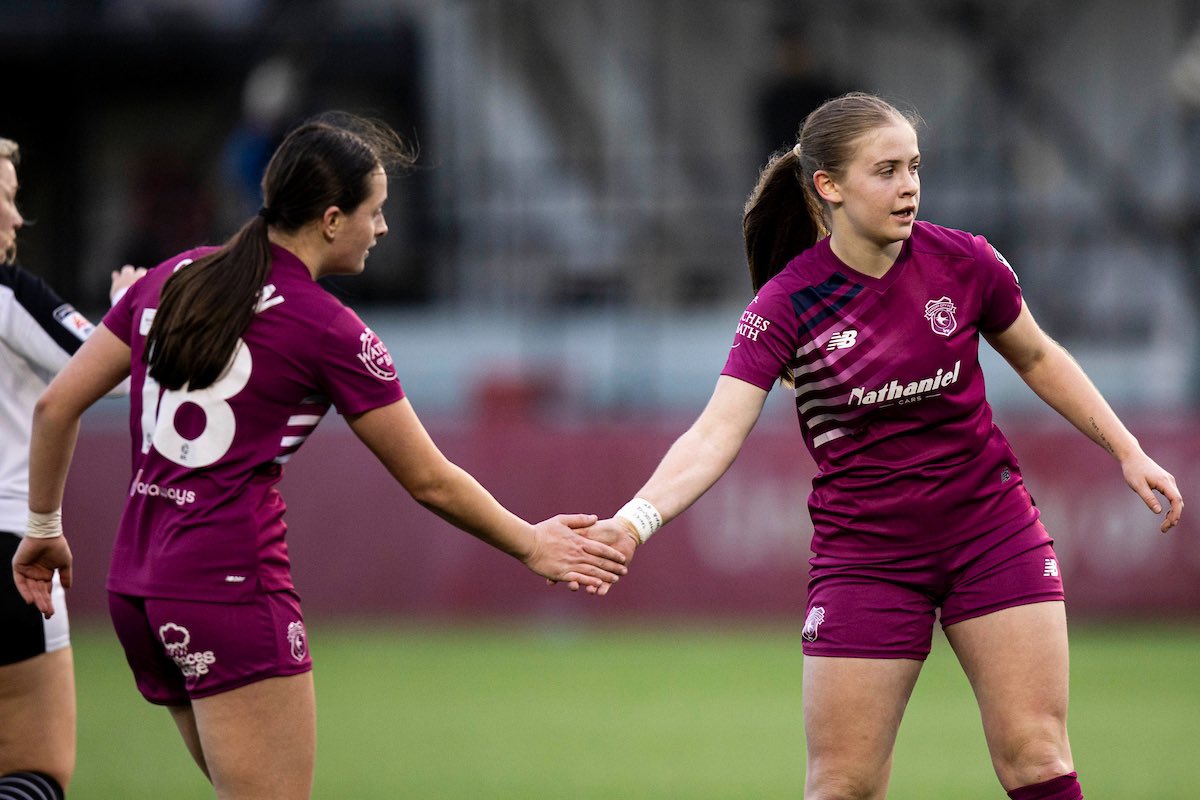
[809, 268]
[930, 239]
[14, 275]
[9, 274]
[26, 288]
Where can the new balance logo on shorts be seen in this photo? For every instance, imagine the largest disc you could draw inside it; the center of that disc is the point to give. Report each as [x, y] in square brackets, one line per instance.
[1051, 570]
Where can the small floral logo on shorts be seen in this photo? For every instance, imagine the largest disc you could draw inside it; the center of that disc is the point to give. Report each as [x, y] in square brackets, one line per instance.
[815, 618]
[297, 640]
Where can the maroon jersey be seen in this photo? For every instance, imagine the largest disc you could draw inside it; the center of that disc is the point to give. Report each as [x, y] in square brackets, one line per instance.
[204, 519]
[890, 393]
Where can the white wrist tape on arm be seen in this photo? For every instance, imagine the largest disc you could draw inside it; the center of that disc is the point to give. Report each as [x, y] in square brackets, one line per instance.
[643, 515]
[44, 526]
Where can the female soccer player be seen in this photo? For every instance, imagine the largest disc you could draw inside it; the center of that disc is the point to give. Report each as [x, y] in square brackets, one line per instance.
[235, 354]
[39, 332]
[918, 504]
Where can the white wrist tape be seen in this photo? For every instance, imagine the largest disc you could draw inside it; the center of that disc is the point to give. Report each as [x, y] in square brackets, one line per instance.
[643, 515]
[44, 526]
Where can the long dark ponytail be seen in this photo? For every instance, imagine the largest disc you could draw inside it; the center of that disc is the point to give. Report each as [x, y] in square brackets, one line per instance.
[206, 306]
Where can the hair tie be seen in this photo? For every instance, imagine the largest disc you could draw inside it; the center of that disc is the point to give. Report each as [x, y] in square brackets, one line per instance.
[796, 150]
[265, 213]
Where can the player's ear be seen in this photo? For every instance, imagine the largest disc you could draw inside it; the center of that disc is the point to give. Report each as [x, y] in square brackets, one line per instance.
[826, 187]
[330, 221]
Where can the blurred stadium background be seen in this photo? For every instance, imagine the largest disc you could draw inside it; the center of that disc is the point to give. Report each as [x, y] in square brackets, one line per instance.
[564, 272]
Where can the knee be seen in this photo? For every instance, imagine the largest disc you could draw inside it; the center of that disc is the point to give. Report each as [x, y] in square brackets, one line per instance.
[1034, 758]
[844, 784]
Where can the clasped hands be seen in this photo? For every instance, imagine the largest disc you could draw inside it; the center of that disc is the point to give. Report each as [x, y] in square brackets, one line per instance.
[582, 551]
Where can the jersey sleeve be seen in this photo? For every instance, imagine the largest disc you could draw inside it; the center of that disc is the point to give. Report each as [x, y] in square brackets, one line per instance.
[1001, 290]
[355, 368]
[763, 343]
[38, 324]
[119, 319]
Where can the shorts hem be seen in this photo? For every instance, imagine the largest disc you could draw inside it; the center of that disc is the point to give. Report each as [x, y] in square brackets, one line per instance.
[229, 686]
[888, 655]
[1043, 597]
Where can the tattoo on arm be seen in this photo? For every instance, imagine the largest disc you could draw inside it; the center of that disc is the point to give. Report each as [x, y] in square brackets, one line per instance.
[1100, 437]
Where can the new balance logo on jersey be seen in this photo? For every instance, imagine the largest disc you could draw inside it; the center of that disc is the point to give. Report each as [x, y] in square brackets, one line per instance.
[1051, 570]
[842, 340]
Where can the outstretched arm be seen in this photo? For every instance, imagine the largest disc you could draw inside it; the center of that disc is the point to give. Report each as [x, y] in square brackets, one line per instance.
[692, 464]
[1058, 379]
[551, 548]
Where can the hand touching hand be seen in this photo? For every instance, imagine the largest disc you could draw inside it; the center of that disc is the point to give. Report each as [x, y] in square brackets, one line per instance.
[560, 553]
[1146, 477]
[33, 570]
[122, 279]
[617, 533]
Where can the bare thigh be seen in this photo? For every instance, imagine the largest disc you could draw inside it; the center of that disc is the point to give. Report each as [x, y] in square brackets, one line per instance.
[258, 742]
[852, 712]
[1017, 662]
[185, 720]
[37, 704]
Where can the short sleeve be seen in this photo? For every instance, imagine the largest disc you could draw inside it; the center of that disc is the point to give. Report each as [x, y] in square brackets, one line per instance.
[1001, 290]
[119, 318]
[763, 343]
[355, 368]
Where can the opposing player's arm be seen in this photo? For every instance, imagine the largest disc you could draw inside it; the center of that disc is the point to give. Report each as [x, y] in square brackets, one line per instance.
[1058, 379]
[398, 439]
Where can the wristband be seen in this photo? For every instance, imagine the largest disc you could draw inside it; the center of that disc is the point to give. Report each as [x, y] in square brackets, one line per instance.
[117, 295]
[644, 517]
[44, 526]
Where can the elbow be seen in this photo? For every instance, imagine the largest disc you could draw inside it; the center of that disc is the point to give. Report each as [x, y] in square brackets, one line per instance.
[433, 490]
[51, 408]
[1027, 363]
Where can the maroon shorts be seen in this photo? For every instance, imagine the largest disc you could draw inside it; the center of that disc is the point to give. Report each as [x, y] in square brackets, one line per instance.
[180, 650]
[887, 610]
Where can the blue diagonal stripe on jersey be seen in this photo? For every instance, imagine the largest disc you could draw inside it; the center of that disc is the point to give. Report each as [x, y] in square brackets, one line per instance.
[804, 300]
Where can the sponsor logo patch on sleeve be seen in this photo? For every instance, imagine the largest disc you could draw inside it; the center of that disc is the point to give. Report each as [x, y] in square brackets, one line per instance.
[72, 320]
[375, 357]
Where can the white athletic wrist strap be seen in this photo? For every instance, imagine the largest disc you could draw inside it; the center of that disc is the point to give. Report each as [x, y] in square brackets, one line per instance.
[44, 526]
[642, 514]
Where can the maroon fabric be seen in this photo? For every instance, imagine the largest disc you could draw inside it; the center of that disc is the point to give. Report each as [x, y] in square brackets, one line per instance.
[1064, 787]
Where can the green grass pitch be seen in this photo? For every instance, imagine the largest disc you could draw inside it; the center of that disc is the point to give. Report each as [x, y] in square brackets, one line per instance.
[672, 711]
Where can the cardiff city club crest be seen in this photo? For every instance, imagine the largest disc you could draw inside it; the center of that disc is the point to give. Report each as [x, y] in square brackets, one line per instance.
[297, 640]
[940, 314]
